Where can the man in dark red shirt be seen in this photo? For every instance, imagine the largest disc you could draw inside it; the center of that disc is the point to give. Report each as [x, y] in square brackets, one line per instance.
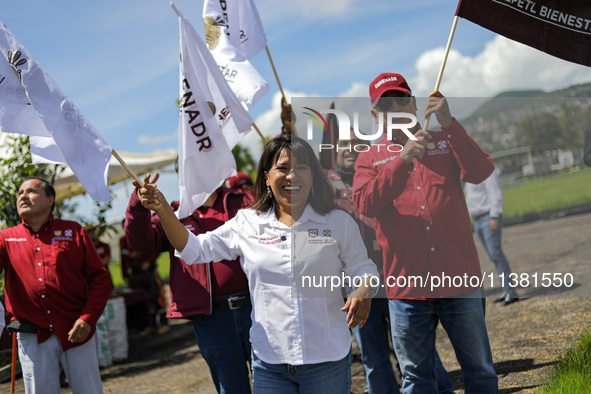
[56, 287]
[412, 185]
[214, 295]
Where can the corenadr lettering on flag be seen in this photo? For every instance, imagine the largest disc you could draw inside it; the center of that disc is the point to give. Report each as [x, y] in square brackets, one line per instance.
[197, 128]
[212, 121]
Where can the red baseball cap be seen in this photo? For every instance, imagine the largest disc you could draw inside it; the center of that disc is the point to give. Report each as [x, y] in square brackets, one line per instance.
[385, 82]
[241, 179]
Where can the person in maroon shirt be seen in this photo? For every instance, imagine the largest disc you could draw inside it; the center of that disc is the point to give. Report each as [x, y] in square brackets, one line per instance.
[56, 287]
[412, 186]
[103, 249]
[214, 295]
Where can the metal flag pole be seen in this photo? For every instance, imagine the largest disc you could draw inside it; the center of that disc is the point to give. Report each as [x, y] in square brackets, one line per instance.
[447, 48]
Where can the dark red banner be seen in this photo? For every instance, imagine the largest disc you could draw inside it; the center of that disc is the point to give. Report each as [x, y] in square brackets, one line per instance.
[561, 28]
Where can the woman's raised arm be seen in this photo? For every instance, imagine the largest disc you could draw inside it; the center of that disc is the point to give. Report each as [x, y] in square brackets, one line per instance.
[148, 194]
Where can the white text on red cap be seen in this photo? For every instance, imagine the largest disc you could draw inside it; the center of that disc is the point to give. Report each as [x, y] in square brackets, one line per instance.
[385, 80]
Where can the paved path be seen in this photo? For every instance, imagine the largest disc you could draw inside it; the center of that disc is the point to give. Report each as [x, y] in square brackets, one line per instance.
[526, 337]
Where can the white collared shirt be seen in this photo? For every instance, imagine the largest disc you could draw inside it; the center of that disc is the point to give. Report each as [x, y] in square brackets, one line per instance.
[485, 197]
[291, 323]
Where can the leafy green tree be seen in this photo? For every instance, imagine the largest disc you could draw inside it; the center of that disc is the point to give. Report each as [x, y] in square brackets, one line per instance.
[14, 169]
[245, 162]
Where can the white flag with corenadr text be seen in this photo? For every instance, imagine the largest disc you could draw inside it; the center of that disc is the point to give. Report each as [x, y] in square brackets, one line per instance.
[59, 132]
[212, 122]
[225, 46]
[243, 23]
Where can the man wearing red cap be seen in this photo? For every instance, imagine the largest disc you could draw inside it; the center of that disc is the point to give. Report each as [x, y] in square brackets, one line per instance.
[240, 181]
[412, 185]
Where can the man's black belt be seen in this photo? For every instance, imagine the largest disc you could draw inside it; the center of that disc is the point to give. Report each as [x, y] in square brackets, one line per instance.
[232, 302]
[21, 326]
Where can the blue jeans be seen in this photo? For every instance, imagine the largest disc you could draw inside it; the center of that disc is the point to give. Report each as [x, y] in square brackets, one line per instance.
[491, 240]
[224, 343]
[374, 344]
[413, 334]
[333, 377]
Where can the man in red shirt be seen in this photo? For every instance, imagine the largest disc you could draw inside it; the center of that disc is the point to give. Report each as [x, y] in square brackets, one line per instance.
[56, 287]
[412, 186]
[214, 295]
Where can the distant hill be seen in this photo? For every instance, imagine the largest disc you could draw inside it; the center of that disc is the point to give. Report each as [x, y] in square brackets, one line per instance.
[496, 123]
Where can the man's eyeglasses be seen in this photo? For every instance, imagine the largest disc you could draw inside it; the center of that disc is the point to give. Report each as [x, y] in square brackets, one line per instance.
[385, 103]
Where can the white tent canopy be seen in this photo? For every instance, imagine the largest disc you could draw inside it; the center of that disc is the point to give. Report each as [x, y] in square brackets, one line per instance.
[67, 185]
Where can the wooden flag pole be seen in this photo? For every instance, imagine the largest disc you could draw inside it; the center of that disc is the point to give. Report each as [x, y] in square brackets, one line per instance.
[130, 171]
[275, 72]
[127, 168]
[447, 49]
[259, 133]
[278, 83]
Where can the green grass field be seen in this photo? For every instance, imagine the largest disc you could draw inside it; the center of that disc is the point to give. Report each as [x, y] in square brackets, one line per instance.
[546, 193]
[572, 374]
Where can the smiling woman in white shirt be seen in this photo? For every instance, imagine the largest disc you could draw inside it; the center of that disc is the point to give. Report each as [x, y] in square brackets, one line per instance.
[297, 251]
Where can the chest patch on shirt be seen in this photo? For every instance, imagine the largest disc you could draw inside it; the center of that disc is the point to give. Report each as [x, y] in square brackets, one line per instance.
[441, 148]
[320, 236]
[64, 238]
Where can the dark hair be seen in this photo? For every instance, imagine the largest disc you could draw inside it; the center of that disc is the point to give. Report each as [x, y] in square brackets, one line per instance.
[321, 194]
[47, 187]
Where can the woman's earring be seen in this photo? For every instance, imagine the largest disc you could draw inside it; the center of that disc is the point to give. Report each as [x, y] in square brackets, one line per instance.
[269, 192]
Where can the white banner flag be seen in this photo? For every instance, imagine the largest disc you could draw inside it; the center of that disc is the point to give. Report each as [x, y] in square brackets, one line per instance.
[66, 135]
[16, 113]
[244, 26]
[246, 82]
[212, 121]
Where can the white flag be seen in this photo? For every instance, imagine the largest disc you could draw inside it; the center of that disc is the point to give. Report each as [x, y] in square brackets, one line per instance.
[212, 121]
[244, 26]
[67, 135]
[16, 113]
[246, 82]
